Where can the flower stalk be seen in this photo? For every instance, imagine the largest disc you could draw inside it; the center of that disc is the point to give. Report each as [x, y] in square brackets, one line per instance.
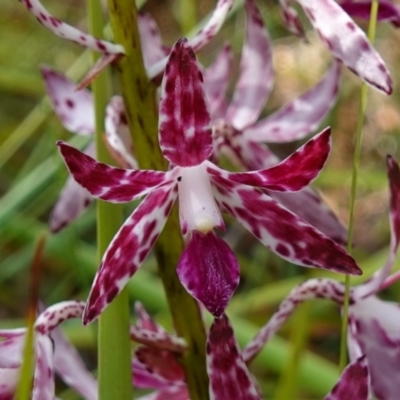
[140, 103]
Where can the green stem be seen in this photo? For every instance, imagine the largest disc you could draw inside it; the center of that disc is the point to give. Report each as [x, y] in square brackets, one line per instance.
[356, 167]
[139, 96]
[114, 364]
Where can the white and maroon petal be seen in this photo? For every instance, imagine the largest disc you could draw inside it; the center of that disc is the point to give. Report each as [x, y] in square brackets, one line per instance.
[11, 351]
[197, 207]
[209, 271]
[73, 200]
[69, 366]
[378, 334]
[216, 80]
[118, 135]
[374, 283]
[256, 73]
[347, 42]
[291, 18]
[43, 381]
[178, 392]
[9, 378]
[229, 376]
[300, 117]
[108, 183]
[144, 321]
[75, 108]
[280, 230]
[57, 314]
[129, 248]
[387, 10]
[353, 382]
[153, 49]
[311, 289]
[292, 174]
[147, 379]
[68, 32]
[308, 205]
[184, 126]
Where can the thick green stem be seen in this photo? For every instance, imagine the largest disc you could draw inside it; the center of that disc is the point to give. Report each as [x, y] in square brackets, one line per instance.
[114, 364]
[140, 103]
[356, 167]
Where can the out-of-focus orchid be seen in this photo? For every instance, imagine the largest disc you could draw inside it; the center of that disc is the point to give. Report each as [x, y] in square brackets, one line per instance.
[208, 268]
[53, 353]
[76, 112]
[387, 10]
[112, 51]
[344, 39]
[240, 137]
[374, 325]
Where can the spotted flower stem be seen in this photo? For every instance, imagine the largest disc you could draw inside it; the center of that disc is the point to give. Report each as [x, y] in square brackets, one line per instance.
[114, 364]
[139, 97]
[356, 166]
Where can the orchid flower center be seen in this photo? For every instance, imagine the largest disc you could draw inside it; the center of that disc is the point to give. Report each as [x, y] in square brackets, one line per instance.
[197, 207]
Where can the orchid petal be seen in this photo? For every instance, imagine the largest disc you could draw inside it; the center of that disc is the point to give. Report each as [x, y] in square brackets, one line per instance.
[293, 173]
[118, 134]
[130, 246]
[171, 393]
[300, 117]
[308, 205]
[256, 72]
[353, 382]
[73, 200]
[229, 377]
[43, 381]
[11, 350]
[311, 289]
[387, 11]
[216, 80]
[209, 271]
[74, 108]
[346, 41]
[58, 313]
[108, 183]
[68, 32]
[144, 321]
[147, 379]
[377, 332]
[153, 49]
[9, 378]
[69, 365]
[374, 283]
[184, 127]
[280, 230]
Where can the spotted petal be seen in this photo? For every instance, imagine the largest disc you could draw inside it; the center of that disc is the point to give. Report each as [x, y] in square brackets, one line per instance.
[129, 248]
[353, 383]
[346, 41]
[229, 377]
[300, 117]
[280, 230]
[256, 73]
[184, 127]
[11, 352]
[68, 32]
[73, 107]
[209, 271]
[9, 378]
[293, 173]
[108, 183]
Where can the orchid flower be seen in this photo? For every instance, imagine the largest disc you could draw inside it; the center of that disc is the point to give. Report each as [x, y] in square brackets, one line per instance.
[374, 324]
[155, 366]
[387, 10]
[208, 268]
[53, 353]
[75, 109]
[239, 136]
[344, 39]
[112, 52]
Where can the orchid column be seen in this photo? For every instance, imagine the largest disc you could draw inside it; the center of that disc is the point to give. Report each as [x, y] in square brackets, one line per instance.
[140, 103]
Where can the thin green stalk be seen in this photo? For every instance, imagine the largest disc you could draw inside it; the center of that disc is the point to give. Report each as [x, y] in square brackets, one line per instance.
[356, 167]
[140, 104]
[187, 15]
[114, 363]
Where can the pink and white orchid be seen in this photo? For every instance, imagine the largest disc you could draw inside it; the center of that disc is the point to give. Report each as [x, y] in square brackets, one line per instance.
[208, 268]
[53, 353]
[374, 324]
[75, 110]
